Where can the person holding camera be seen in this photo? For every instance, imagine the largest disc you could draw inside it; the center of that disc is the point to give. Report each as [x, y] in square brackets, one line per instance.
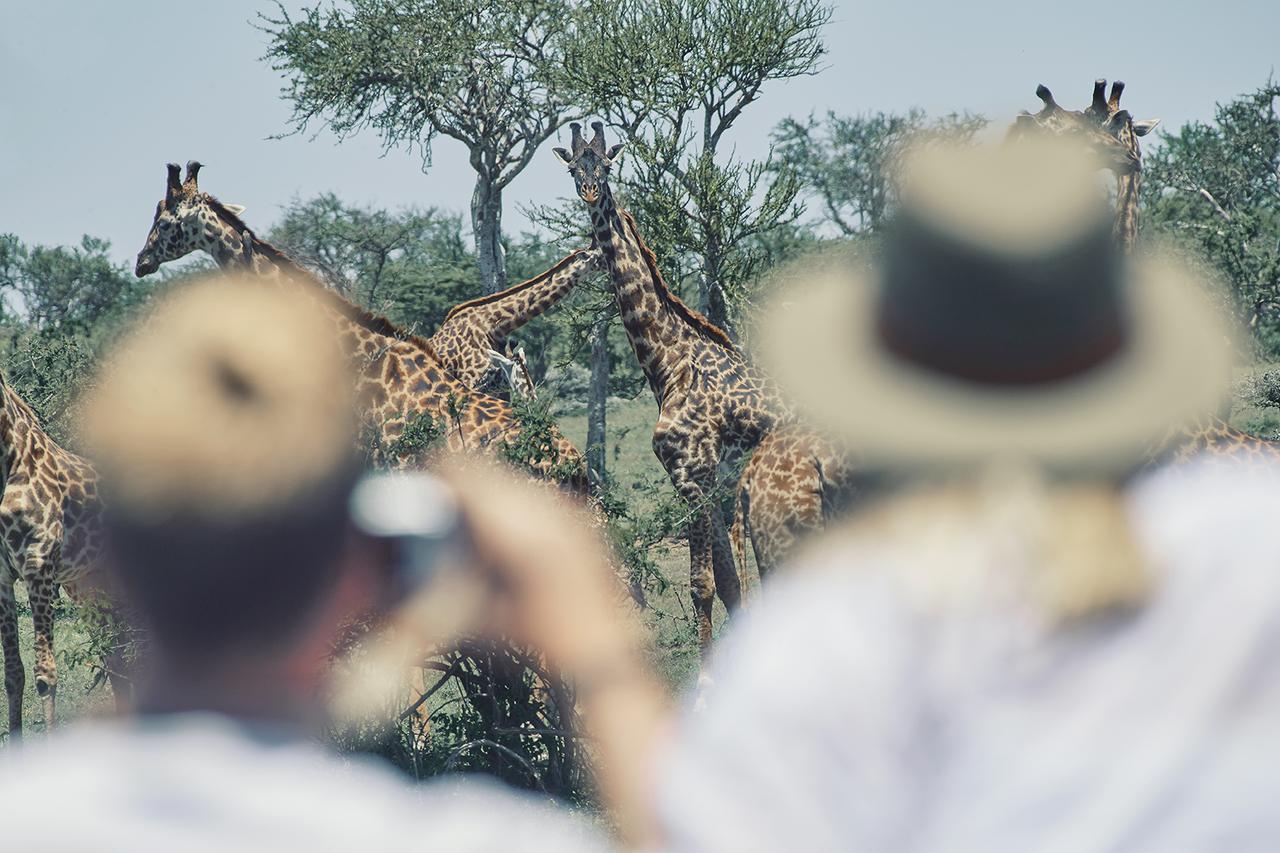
[223, 428]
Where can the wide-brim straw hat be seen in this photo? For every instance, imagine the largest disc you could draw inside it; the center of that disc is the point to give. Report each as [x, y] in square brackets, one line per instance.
[1000, 323]
[229, 401]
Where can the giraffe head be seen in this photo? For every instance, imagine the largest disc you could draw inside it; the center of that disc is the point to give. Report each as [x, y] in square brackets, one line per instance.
[188, 220]
[589, 162]
[521, 380]
[1105, 130]
[514, 370]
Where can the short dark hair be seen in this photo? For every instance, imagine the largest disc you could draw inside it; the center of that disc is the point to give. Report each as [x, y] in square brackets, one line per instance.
[206, 588]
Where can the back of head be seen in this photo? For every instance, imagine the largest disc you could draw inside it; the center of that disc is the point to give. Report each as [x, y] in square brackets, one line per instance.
[222, 428]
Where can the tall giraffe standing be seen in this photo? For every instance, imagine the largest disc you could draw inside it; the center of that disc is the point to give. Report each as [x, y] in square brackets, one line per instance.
[1114, 133]
[711, 401]
[472, 339]
[401, 379]
[49, 524]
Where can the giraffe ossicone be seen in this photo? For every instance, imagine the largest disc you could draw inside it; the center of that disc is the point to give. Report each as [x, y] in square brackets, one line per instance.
[401, 379]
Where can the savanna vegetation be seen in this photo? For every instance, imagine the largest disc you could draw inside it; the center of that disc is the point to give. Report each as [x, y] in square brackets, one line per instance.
[671, 78]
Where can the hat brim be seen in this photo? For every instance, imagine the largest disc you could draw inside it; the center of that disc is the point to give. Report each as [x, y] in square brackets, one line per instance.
[823, 349]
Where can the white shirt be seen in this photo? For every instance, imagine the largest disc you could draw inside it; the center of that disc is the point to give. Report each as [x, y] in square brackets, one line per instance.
[850, 712]
[200, 783]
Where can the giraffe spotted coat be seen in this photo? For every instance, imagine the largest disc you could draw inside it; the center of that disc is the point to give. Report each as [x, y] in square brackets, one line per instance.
[712, 403]
[49, 515]
[401, 381]
[474, 334]
[792, 484]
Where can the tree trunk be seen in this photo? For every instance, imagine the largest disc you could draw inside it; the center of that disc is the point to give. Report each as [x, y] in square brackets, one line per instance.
[486, 224]
[597, 395]
[711, 299]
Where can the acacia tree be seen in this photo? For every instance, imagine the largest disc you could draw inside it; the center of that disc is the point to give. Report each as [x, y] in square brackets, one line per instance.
[486, 73]
[673, 76]
[412, 264]
[846, 163]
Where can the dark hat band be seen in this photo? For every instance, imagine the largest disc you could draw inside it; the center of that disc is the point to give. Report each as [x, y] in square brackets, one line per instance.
[993, 318]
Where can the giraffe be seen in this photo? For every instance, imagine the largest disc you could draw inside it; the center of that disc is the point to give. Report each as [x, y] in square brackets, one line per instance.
[782, 492]
[1110, 133]
[473, 338]
[792, 484]
[515, 370]
[712, 403]
[1114, 133]
[401, 379]
[49, 519]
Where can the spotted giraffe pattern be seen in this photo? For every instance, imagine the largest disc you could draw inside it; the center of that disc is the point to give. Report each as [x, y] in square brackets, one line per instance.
[400, 377]
[49, 517]
[712, 403]
[474, 335]
[788, 489]
[1210, 436]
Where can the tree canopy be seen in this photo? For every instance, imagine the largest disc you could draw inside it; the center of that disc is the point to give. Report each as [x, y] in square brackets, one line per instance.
[1216, 188]
[487, 74]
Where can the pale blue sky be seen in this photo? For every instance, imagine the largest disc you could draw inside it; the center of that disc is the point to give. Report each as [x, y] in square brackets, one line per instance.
[96, 95]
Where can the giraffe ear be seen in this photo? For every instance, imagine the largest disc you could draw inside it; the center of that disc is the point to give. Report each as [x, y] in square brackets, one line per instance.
[236, 209]
[562, 155]
[1118, 121]
[1144, 126]
[193, 172]
[614, 151]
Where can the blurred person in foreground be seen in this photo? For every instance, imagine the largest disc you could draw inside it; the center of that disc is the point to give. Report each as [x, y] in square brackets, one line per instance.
[1018, 643]
[223, 428]
[1022, 641]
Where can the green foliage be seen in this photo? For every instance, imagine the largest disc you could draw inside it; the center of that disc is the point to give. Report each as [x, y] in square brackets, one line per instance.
[481, 73]
[846, 163]
[1216, 189]
[48, 370]
[70, 290]
[491, 709]
[486, 74]
[60, 306]
[534, 449]
[412, 265]
[674, 76]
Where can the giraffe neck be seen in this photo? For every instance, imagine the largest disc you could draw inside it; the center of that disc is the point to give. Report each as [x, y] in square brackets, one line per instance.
[270, 263]
[501, 314]
[14, 412]
[1126, 223]
[227, 246]
[660, 327]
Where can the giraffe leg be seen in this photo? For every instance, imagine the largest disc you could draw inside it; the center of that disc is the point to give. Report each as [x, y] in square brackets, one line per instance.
[43, 593]
[724, 568]
[690, 461]
[702, 586]
[15, 676]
